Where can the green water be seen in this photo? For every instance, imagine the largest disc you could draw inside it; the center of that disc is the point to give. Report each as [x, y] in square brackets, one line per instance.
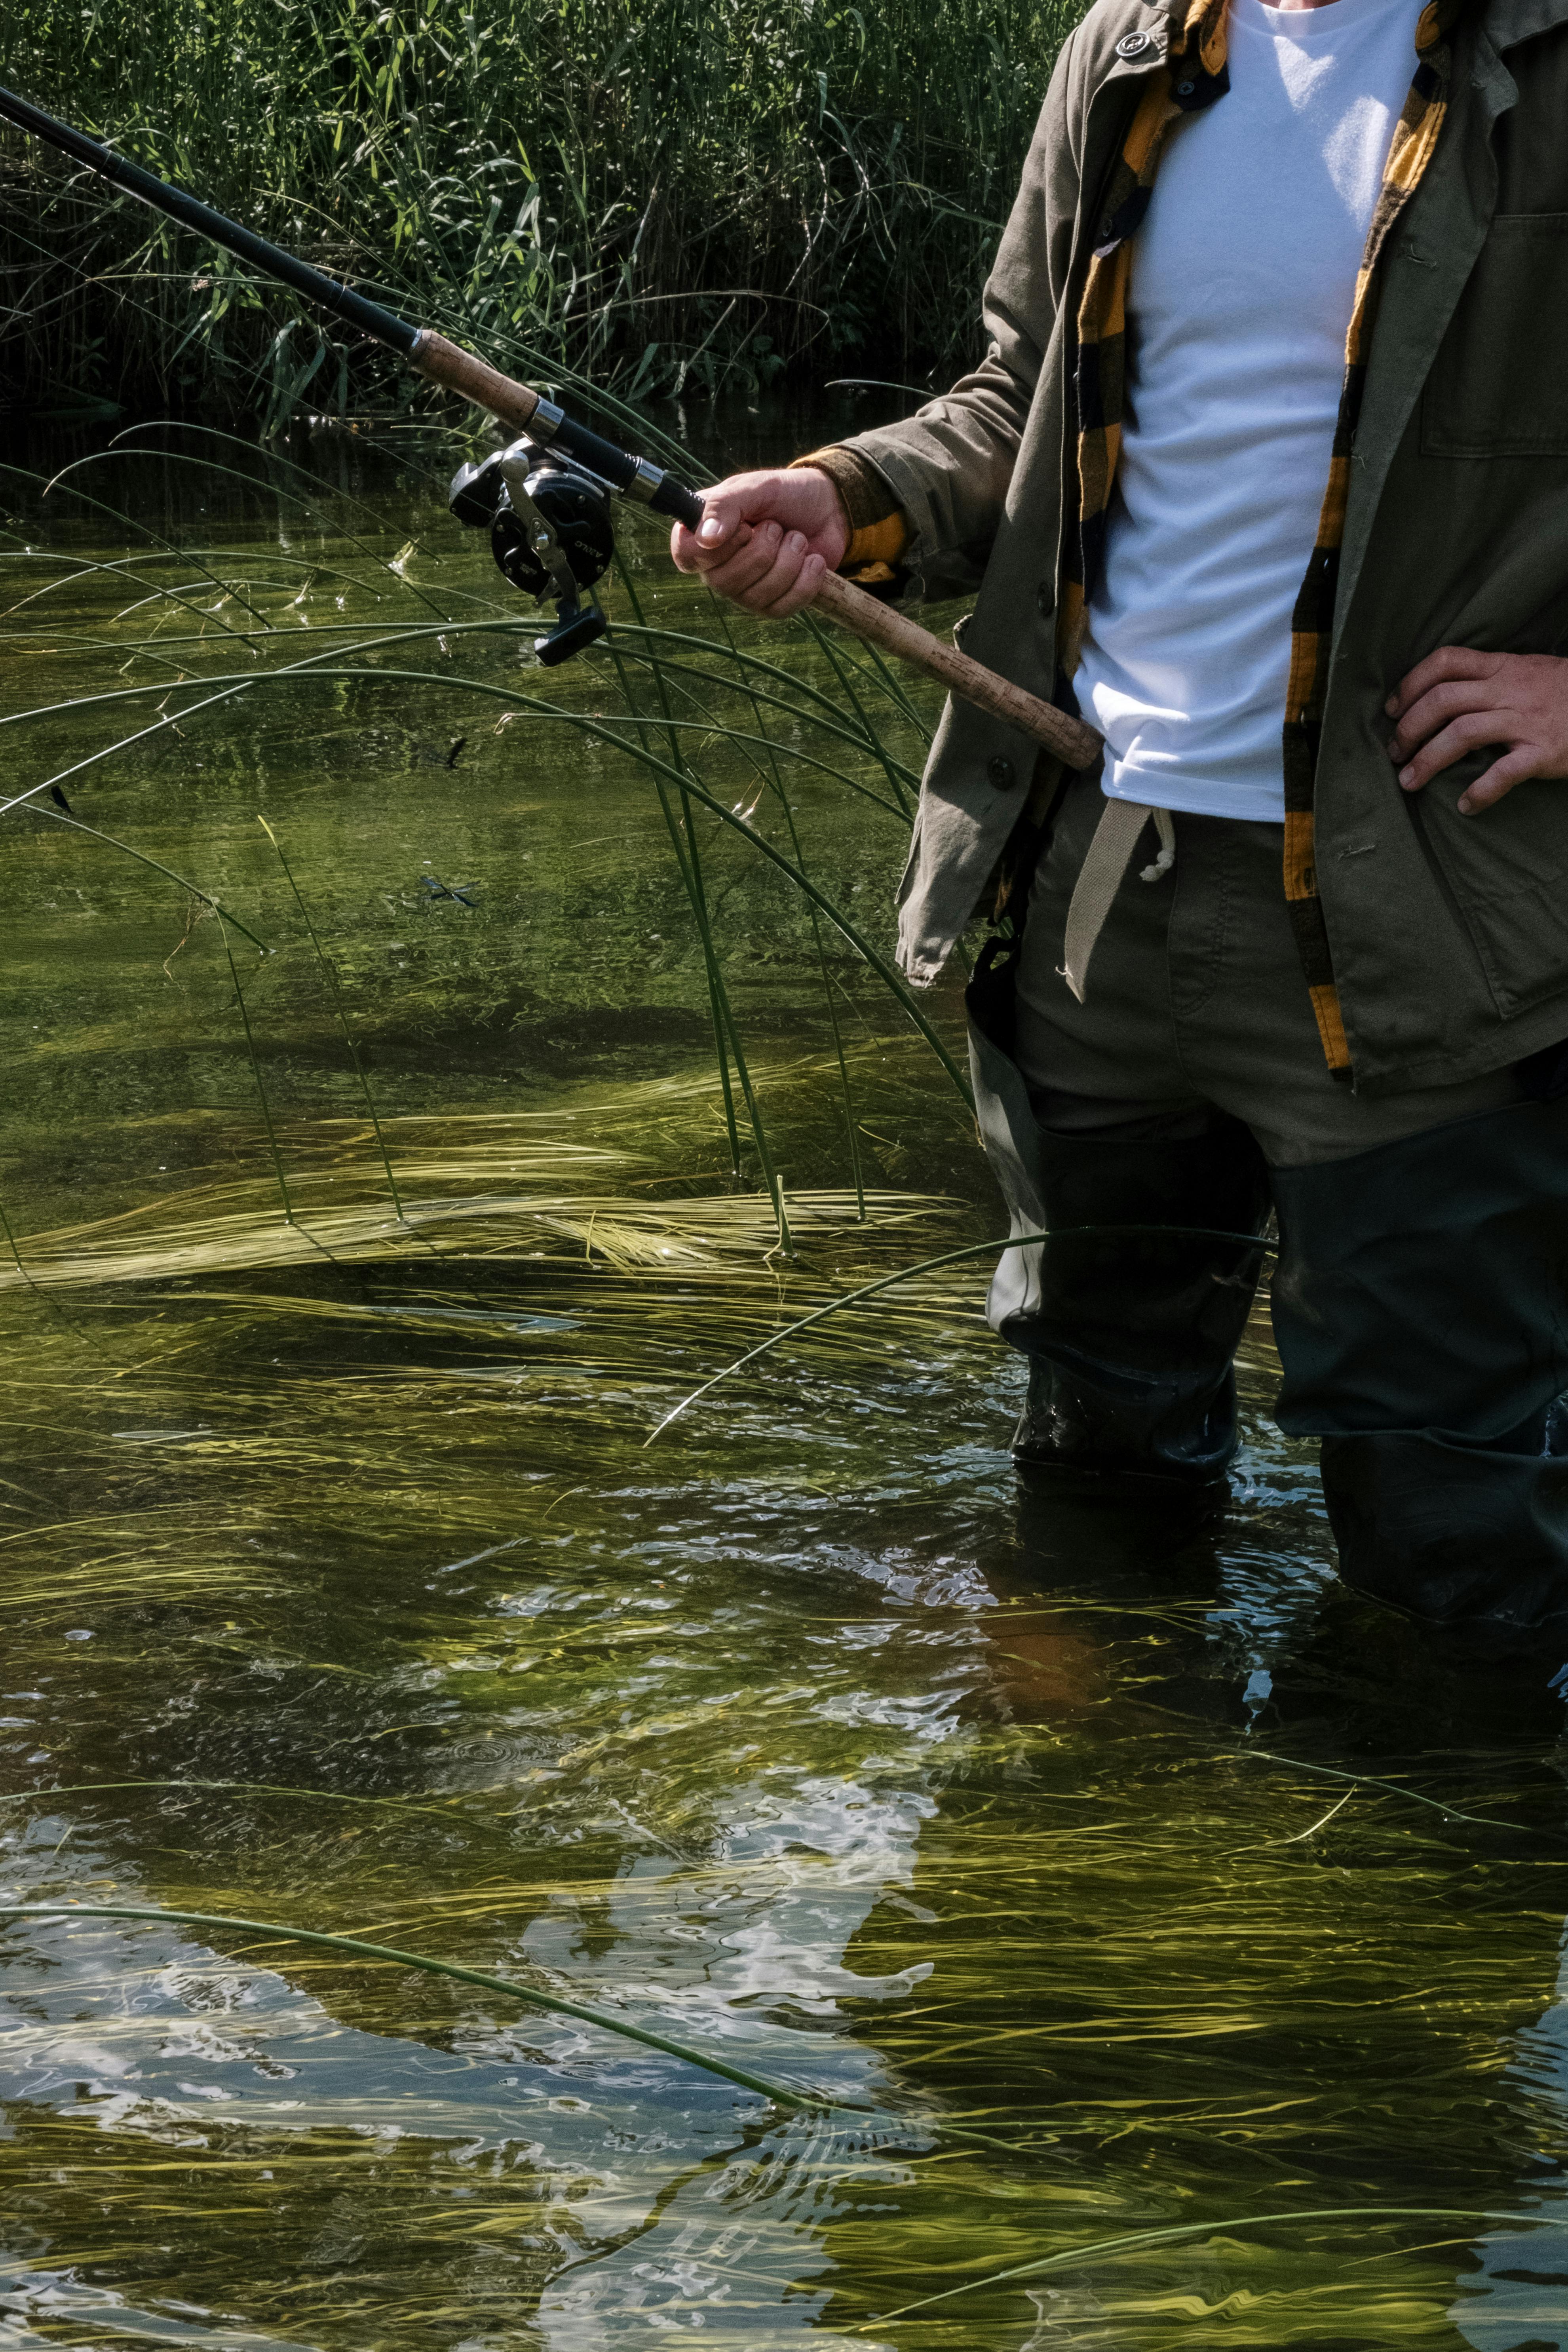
[800, 1735]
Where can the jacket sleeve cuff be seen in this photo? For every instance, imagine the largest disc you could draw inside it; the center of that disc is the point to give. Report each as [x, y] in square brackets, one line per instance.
[878, 531]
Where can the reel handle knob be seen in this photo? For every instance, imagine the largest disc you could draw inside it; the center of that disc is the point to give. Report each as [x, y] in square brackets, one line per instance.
[570, 636]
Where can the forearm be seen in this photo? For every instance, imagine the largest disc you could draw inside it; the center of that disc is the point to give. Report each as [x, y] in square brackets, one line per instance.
[928, 493]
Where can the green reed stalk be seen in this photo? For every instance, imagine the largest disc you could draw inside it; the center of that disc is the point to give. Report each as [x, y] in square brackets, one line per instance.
[891, 684]
[16, 1253]
[700, 907]
[45, 1297]
[224, 914]
[709, 961]
[749, 743]
[341, 1009]
[824, 712]
[582, 2011]
[289, 1216]
[793, 2102]
[249, 1788]
[851, 1128]
[770, 777]
[234, 474]
[116, 514]
[1394, 1789]
[63, 775]
[841, 671]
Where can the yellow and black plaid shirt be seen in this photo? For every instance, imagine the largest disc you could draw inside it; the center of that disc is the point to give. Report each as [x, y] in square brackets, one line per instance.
[1193, 75]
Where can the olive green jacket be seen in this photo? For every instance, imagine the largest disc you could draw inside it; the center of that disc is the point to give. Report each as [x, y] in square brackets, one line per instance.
[1449, 933]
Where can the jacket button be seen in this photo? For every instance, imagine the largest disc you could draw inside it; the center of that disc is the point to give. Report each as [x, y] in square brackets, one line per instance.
[1132, 45]
[1000, 772]
[1046, 598]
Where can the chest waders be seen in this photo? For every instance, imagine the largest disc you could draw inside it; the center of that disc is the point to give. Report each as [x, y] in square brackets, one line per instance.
[1420, 1294]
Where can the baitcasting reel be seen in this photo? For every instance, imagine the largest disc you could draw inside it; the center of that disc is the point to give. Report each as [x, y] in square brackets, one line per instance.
[550, 534]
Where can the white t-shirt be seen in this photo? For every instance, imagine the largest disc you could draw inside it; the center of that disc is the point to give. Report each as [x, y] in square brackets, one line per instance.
[1243, 279]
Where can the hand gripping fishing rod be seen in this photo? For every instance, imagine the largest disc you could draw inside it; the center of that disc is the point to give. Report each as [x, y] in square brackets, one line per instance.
[546, 496]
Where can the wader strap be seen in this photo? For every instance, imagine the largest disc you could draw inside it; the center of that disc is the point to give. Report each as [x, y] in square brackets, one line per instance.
[1099, 878]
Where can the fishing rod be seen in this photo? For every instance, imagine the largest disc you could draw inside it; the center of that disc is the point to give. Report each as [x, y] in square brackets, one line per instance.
[546, 496]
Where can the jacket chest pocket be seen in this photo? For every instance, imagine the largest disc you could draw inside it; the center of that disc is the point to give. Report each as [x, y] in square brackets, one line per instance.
[1499, 386]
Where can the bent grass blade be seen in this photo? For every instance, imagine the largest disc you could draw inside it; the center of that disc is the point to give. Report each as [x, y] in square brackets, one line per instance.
[1103, 2249]
[929, 1265]
[583, 2011]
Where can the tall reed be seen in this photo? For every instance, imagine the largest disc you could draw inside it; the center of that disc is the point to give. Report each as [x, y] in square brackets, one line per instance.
[664, 196]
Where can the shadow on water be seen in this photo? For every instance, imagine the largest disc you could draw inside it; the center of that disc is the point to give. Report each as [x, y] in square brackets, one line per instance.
[1144, 1876]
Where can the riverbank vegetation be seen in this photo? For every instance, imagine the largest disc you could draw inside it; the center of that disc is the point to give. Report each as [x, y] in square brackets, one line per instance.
[674, 197]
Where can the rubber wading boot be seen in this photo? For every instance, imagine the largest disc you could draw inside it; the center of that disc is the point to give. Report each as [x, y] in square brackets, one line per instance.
[1421, 1310]
[1131, 1334]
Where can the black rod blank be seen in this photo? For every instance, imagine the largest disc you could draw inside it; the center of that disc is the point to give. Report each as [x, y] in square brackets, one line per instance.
[181, 205]
[632, 477]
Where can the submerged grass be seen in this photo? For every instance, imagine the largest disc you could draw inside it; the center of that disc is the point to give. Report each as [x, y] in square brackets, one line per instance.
[340, 1590]
[1185, 2232]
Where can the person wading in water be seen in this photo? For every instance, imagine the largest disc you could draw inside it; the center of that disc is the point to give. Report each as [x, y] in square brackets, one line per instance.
[1265, 472]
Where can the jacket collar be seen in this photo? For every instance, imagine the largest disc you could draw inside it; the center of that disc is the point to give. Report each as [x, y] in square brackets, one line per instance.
[1506, 23]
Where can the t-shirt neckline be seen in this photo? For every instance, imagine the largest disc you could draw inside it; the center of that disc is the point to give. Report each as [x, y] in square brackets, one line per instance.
[1320, 23]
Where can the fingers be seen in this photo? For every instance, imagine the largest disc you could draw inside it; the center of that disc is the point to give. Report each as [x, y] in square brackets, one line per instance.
[1438, 707]
[1467, 733]
[726, 511]
[770, 571]
[1448, 663]
[1515, 767]
[723, 530]
[796, 500]
[775, 593]
[809, 580]
[1458, 702]
[738, 574]
[689, 551]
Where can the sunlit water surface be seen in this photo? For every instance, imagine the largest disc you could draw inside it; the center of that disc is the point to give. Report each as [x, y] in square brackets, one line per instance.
[802, 1734]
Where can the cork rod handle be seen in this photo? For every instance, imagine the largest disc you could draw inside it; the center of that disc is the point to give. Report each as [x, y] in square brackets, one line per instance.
[1072, 742]
[461, 372]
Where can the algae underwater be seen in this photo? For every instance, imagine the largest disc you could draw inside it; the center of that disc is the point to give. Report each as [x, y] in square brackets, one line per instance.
[1097, 1894]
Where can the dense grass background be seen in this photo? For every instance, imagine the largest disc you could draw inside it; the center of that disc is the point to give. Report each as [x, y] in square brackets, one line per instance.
[668, 195]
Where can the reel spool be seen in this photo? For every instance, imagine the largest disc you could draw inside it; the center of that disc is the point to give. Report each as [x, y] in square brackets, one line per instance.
[550, 534]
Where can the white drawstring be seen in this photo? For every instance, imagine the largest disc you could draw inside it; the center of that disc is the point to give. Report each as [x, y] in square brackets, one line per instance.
[1164, 826]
